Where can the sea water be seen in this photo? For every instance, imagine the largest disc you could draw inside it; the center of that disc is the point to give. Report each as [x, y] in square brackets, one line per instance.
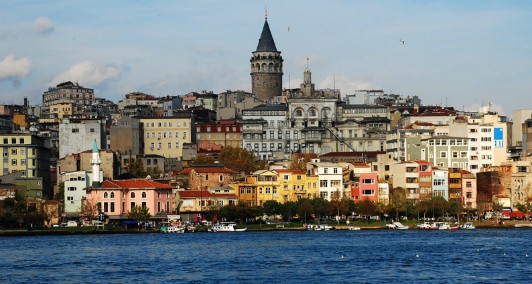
[366, 256]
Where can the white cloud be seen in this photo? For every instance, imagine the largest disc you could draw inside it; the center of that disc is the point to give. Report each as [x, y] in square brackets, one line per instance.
[12, 68]
[87, 73]
[346, 85]
[43, 26]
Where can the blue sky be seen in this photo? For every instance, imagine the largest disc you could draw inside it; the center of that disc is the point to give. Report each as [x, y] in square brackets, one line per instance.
[456, 53]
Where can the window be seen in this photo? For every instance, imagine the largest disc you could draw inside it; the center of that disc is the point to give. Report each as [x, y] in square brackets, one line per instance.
[368, 181]
[75, 130]
[455, 154]
[13, 151]
[112, 195]
[443, 154]
[112, 206]
[132, 205]
[133, 196]
[105, 195]
[143, 194]
[324, 183]
[71, 188]
[14, 162]
[368, 192]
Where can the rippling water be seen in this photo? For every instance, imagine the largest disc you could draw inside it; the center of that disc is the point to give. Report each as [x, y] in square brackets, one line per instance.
[379, 256]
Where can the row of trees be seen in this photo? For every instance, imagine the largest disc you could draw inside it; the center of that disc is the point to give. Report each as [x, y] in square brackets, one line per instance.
[306, 210]
[18, 213]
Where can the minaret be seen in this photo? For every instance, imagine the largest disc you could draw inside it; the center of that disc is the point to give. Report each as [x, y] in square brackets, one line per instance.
[266, 67]
[95, 163]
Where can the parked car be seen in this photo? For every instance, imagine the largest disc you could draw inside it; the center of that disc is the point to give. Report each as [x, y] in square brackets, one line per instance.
[71, 224]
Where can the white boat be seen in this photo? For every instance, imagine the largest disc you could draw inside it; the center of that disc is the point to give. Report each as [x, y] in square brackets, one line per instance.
[226, 227]
[442, 225]
[399, 226]
[396, 226]
[428, 226]
[175, 229]
[353, 228]
[468, 226]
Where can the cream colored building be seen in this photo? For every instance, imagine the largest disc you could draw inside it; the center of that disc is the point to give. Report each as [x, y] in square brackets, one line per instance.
[26, 153]
[165, 136]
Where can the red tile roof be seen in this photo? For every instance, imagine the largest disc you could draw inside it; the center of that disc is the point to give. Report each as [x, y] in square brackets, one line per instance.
[219, 170]
[134, 184]
[204, 194]
[290, 171]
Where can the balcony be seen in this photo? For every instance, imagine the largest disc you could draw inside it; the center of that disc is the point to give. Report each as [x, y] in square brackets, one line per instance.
[412, 196]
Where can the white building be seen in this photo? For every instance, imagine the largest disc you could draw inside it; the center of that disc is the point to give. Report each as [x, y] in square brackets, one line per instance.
[330, 179]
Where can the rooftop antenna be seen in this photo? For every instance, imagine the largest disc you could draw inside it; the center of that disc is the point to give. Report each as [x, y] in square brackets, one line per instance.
[266, 13]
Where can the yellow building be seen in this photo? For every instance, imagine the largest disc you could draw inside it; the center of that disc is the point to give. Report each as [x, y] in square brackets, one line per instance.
[165, 136]
[26, 153]
[281, 185]
[61, 110]
[295, 185]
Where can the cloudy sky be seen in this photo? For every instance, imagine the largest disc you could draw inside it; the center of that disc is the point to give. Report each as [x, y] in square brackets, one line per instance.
[455, 53]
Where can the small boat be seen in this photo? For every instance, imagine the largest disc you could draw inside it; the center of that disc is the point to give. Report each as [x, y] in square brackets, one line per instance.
[427, 226]
[467, 226]
[353, 228]
[397, 226]
[226, 227]
[176, 229]
[442, 226]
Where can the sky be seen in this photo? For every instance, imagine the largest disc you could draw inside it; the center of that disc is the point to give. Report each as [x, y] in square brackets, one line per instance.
[463, 54]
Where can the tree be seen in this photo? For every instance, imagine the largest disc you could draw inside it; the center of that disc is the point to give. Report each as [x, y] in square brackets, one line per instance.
[238, 159]
[300, 163]
[89, 208]
[135, 167]
[398, 200]
[272, 208]
[455, 207]
[140, 213]
[521, 207]
[60, 195]
[203, 159]
[338, 205]
[320, 206]
[305, 208]
[367, 207]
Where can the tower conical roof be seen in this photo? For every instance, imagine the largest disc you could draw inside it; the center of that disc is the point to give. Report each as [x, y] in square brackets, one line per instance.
[266, 42]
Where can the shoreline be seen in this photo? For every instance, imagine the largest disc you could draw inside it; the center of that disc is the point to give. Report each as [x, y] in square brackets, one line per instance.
[56, 232]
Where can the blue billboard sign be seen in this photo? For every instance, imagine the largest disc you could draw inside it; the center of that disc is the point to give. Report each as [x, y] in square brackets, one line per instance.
[498, 137]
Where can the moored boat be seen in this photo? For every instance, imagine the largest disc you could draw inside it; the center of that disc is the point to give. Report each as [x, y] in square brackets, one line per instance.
[226, 227]
[427, 226]
[467, 226]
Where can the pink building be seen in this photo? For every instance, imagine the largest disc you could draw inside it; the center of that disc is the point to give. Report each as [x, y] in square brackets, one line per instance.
[469, 190]
[365, 186]
[116, 197]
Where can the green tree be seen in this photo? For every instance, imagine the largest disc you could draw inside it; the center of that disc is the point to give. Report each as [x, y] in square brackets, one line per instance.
[497, 207]
[135, 167]
[60, 195]
[272, 208]
[238, 159]
[367, 207]
[440, 205]
[203, 159]
[521, 207]
[455, 207]
[398, 201]
[139, 213]
[320, 207]
[305, 208]
[338, 205]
